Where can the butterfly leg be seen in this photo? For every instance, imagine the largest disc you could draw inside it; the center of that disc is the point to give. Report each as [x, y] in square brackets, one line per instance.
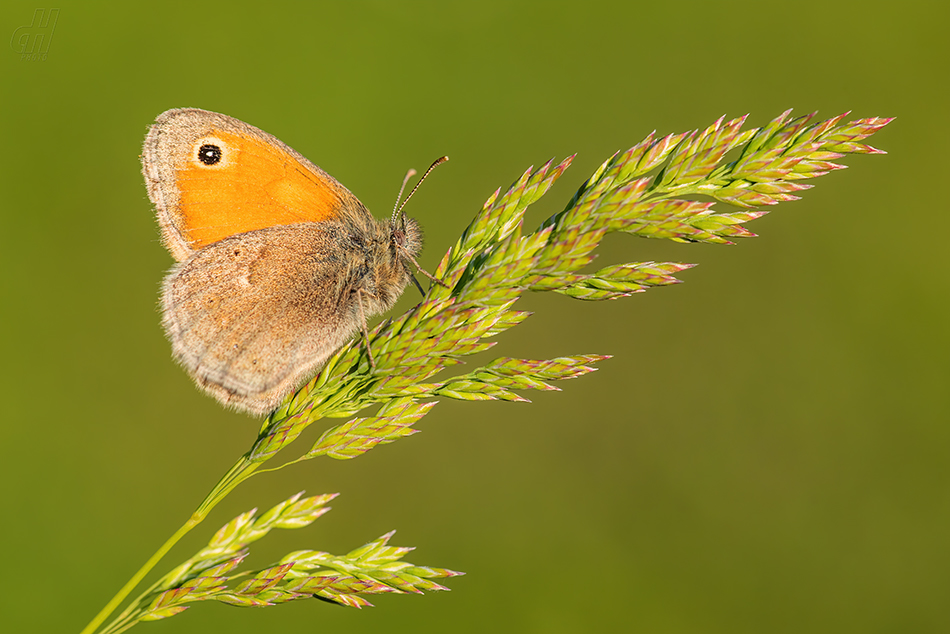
[412, 277]
[409, 257]
[359, 303]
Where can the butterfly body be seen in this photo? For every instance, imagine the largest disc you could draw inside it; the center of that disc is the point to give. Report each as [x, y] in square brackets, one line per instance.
[279, 264]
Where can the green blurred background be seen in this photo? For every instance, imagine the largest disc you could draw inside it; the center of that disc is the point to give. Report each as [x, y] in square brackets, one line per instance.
[766, 452]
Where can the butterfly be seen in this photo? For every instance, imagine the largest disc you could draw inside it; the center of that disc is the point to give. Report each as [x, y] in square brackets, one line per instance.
[278, 264]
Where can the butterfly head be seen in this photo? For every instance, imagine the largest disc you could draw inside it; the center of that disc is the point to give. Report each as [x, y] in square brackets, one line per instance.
[406, 238]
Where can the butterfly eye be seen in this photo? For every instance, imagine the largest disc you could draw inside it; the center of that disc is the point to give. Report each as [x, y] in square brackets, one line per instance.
[399, 236]
[209, 154]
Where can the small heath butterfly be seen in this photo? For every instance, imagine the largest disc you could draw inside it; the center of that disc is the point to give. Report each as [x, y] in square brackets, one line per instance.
[278, 264]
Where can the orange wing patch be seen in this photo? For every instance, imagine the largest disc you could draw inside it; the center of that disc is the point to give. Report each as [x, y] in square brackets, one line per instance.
[230, 183]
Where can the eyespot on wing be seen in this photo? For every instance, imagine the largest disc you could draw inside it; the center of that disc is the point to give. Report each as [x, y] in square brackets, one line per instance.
[211, 176]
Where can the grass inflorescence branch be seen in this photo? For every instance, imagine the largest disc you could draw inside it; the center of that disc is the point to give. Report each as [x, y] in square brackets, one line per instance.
[651, 190]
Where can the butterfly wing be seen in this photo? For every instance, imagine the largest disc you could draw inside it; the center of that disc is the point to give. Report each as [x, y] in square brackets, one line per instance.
[252, 317]
[211, 176]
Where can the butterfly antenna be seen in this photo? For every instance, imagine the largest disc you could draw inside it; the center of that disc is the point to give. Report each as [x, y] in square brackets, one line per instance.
[398, 210]
[402, 188]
